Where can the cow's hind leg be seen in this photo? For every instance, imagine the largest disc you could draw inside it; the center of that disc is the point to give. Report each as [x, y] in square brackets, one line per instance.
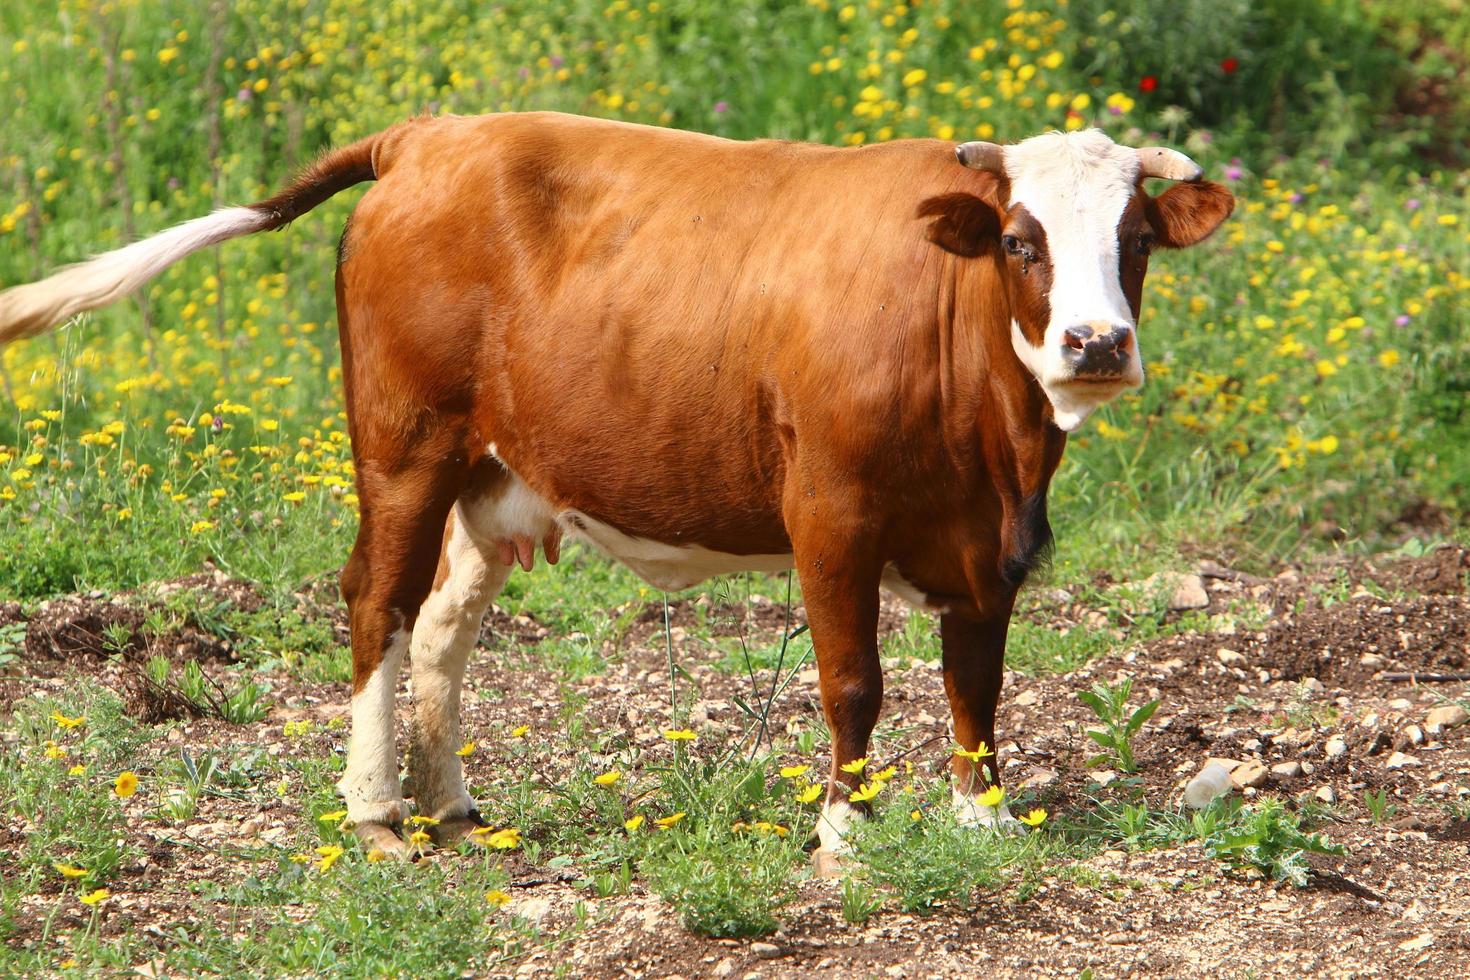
[470, 575]
[404, 504]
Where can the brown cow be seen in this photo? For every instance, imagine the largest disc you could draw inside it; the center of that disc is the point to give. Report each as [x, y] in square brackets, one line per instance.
[703, 356]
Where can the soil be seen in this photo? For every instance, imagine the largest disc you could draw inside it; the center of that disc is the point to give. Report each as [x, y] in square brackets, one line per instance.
[1286, 667]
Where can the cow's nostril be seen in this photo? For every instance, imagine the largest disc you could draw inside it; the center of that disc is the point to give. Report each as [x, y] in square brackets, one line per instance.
[1077, 337]
[1124, 339]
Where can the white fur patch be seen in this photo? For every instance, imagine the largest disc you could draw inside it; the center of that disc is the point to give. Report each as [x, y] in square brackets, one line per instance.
[1076, 185]
[443, 638]
[970, 812]
[833, 824]
[370, 784]
[909, 592]
[30, 309]
[666, 566]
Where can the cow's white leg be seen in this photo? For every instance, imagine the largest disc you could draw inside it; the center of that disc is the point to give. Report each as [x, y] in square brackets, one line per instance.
[833, 824]
[370, 783]
[470, 576]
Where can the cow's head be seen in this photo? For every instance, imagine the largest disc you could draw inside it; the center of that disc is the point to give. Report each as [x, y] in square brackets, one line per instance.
[1074, 228]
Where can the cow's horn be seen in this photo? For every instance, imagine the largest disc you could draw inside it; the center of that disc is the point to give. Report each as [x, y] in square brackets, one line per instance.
[1160, 161]
[981, 155]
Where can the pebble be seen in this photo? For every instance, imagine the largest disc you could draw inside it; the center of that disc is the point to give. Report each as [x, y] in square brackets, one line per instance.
[766, 951]
[1287, 770]
[1250, 773]
[1414, 734]
[1401, 760]
[1326, 794]
[1229, 657]
[1445, 717]
[724, 968]
[1335, 748]
[1039, 778]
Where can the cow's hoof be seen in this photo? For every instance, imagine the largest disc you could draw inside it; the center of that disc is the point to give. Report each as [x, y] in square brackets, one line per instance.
[827, 863]
[379, 839]
[453, 831]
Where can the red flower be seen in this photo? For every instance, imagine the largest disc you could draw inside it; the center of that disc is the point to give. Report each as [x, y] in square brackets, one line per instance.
[1147, 83]
[1229, 65]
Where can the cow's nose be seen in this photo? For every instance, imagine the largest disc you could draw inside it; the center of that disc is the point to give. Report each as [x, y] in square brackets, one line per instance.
[1099, 348]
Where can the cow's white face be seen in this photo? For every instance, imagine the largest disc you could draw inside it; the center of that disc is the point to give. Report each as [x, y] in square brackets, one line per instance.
[1075, 229]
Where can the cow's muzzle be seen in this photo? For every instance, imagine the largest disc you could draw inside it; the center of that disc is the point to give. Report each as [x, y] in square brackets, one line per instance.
[1098, 351]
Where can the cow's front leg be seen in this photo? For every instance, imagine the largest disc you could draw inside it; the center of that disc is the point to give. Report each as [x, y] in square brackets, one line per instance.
[974, 667]
[840, 588]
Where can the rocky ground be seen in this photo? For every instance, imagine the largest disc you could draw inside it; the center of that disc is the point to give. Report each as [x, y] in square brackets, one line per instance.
[1318, 685]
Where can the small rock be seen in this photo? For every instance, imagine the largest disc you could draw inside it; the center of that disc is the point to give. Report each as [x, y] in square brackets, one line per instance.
[1400, 760]
[1229, 657]
[1103, 776]
[1040, 778]
[1314, 686]
[1414, 734]
[766, 951]
[1287, 770]
[1401, 704]
[925, 719]
[808, 676]
[1445, 717]
[1025, 699]
[1250, 773]
[723, 968]
[1335, 748]
[1326, 794]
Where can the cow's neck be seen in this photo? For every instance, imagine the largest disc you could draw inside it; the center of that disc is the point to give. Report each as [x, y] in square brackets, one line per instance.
[997, 420]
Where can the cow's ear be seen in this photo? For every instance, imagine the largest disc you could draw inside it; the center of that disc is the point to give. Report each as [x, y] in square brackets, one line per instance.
[965, 224]
[1188, 213]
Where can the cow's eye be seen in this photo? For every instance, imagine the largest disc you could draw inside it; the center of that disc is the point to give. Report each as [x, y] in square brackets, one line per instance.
[1011, 244]
[1145, 243]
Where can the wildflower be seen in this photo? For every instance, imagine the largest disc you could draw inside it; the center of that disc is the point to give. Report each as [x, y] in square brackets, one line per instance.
[1034, 818]
[126, 784]
[1233, 172]
[375, 855]
[77, 770]
[199, 527]
[70, 870]
[721, 107]
[504, 840]
[465, 750]
[679, 735]
[497, 898]
[855, 766]
[1148, 83]
[914, 77]
[791, 772]
[866, 791]
[419, 838]
[607, 778]
[665, 823]
[633, 823]
[1448, 219]
[1388, 358]
[294, 497]
[982, 751]
[520, 731]
[808, 794]
[418, 820]
[330, 853]
[1229, 65]
[991, 797]
[54, 751]
[96, 898]
[66, 722]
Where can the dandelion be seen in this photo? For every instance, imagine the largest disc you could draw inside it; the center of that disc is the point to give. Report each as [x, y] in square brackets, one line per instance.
[665, 823]
[633, 823]
[70, 870]
[96, 898]
[808, 794]
[855, 766]
[329, 855]
[792, 772]
[126, 784]
[497, 898]
[466, 750]
[66, 722]
[679, 735]
[607, 778]
[1034, 818]
[991, 797]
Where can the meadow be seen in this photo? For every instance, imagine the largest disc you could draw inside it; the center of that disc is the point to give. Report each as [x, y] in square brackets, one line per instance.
[1307, 405]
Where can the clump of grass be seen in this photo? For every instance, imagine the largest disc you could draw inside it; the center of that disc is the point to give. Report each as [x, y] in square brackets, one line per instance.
[725, 884]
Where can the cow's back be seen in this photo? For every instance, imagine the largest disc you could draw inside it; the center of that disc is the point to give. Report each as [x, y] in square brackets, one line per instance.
[642, 321]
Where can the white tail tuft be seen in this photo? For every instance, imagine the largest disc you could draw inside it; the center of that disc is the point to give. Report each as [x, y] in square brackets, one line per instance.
[33, 308]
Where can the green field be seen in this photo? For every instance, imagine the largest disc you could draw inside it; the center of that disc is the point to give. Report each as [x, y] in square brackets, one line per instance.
[1308, 395]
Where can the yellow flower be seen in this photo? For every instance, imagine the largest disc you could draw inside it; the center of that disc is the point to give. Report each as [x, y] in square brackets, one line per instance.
[866, 791]
[199, 527]
[501, 840]
[679, 735]
[54, 751]
[914, 815]
[96, 898]
[70, 870]
[1388, 358]
[1448, 219]
[295, 496]
[666, 822]
[77, 770]
[375, 855]
[467, 749]
[520, 731]
[419, 837]
[982, 751]
[1326, 368]
[991, 797]
[884, 775]
[808, 794]
[497, 898]
[1034, 818]
[791, 772]
[633, 823]
[856, 765]
[914, 77]
[422, 821]
[330, 853]
[126, 784]
[333, 817]
[607, 778]
[66, 722]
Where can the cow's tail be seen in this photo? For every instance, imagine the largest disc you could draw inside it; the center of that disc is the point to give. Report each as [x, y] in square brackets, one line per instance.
[34, 308]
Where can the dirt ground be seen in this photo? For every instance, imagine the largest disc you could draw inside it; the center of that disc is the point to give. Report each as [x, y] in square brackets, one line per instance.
[1313, 684]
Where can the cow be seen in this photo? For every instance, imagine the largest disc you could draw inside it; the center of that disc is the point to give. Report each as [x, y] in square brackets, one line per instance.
[703, 357]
